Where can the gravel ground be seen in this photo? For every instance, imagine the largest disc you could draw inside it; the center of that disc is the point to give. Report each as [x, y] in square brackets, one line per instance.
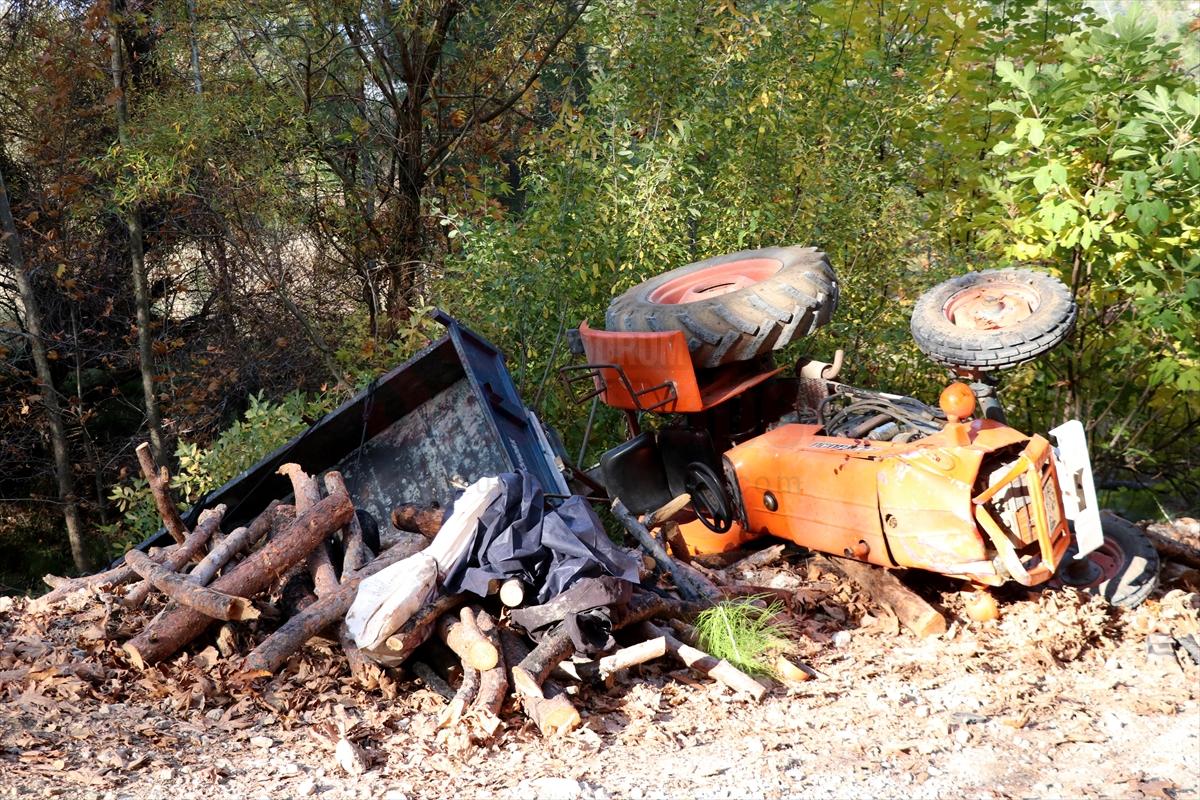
[1056, 699]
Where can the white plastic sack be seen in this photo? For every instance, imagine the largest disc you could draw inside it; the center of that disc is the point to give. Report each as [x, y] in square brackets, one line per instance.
[388, 599]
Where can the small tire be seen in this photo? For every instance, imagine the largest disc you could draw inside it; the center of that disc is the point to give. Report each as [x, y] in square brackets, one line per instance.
[734, 307]
[1123, 570]
[991, 320]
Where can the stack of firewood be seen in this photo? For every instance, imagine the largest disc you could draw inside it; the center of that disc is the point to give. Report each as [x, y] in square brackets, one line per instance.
[235, 586]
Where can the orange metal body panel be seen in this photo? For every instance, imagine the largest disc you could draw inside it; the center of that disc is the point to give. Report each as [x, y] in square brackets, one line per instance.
[700, 540]
[660, 372]
[910, 504]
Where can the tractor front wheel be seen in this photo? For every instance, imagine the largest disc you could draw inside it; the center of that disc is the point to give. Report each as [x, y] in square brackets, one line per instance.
[985, 321]
[1123, 570]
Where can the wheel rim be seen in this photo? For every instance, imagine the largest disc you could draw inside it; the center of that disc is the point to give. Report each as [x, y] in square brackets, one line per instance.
[993, 306]
[714, 281]
[1102, 564]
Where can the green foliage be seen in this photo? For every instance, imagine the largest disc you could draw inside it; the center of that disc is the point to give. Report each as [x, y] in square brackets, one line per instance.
[264, 427]
[1098, 179]
[745, 634]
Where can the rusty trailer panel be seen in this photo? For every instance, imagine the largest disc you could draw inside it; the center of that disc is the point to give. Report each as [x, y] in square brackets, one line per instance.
[443, 419]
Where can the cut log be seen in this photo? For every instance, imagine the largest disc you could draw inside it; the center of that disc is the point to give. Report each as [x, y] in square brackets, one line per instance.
[493, 683]
[195, 596]
[168, 633]
[1169, 548]
[420, 626]
[554, 713]
[112, 577]
[355, 550]
[197, 540]
[600, 670]
[790, 672]
[717, 668]
[160, 488]
[431, 679]
[308, 493]
[768, 555]
[531, 673]
[887, 590]
[468, 690]
[266, 659]
[425, 521]
[463, 636]
[669, 511]
[238, 540]
[512, 593]
[689, 586]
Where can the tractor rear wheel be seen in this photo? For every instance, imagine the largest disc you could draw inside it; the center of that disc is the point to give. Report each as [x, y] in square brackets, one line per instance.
[735, 307]
[985, 321]
[1123, 570]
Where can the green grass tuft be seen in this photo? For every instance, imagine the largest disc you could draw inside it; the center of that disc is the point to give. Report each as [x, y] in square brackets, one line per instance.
[745, 634]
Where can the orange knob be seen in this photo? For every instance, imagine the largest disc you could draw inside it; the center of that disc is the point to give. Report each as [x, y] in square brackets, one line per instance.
[958, 401]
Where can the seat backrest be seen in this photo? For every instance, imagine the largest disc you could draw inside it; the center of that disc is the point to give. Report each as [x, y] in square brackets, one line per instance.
[657, 365]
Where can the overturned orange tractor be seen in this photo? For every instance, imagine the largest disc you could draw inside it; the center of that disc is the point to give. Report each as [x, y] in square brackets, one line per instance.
[882, 478]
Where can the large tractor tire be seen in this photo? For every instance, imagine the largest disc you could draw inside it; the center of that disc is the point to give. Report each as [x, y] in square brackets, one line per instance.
[986, 321]
[735, 307]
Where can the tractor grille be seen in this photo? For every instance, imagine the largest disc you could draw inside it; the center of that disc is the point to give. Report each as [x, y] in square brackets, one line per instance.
[1013, 507]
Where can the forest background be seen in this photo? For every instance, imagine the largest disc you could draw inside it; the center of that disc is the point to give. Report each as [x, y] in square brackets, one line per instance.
[220, 219]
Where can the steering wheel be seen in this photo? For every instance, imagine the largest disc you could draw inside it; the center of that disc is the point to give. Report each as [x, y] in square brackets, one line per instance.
[708, 497]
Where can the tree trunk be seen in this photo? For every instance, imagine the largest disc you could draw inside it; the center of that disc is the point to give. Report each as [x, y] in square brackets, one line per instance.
[137, 259]
[58, 433]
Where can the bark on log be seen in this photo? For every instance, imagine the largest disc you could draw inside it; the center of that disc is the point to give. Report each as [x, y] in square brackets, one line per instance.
[425, 521]
[887, 590]
[689, 587]
[553, 713]
[307, 494]
[468, 690]
[197, 540]
[1167, 547]
[493, 683]
[273, 651]
[531, 673]
[420, 627]
[207, 601]
[600, 670]
[240, 539]
[355, 550]
[529, 676]
[768, 555]
[159, 479]
[463, 636]
[434, 682]
[112, 577]
[706, 664]
[167, 634]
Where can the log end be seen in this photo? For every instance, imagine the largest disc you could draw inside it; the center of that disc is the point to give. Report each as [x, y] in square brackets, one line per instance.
[525, 683]
[482, 655]
[512, 593]
[134, 654]
[557, 716]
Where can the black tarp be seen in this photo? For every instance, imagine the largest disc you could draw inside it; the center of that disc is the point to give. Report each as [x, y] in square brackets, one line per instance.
[548, 550]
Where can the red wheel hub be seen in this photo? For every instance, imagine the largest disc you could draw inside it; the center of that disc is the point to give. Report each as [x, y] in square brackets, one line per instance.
[1102, 564]
[714, 281]
[991, 307]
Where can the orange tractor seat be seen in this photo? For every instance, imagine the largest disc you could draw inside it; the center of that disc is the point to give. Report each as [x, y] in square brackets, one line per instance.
[638, 371]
